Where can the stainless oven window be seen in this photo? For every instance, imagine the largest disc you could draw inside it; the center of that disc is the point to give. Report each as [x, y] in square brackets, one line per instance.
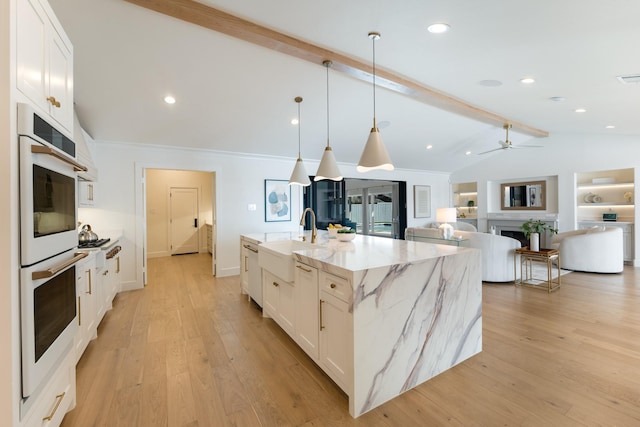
[54, 307]
[53, 202]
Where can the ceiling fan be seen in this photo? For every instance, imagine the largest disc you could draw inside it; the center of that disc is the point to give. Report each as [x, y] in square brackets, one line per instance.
[507, 145]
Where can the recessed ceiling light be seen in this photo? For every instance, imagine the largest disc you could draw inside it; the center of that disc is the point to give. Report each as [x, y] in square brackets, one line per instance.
[581, 110]
[467, 153]
[169, 99]
[294, 121]
[438, 28]
[429, 147]
[610, 127]
[558, 98]
[490, 83]
[527, 80]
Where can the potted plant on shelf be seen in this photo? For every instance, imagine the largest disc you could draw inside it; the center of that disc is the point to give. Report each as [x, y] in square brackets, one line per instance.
[532, 230]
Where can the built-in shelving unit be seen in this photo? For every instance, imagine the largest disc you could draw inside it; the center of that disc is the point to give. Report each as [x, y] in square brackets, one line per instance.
[603, 192]
[608, 192]
[465, 200]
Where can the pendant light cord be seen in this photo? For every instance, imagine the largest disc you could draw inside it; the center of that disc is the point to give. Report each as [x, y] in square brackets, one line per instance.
[327, 66]
[299, 100]
[374, 79]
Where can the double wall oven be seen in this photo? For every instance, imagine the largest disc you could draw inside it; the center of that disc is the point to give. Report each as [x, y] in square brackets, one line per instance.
[48, 238]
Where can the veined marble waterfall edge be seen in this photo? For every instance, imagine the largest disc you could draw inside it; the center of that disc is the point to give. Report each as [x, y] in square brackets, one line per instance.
[413, 322]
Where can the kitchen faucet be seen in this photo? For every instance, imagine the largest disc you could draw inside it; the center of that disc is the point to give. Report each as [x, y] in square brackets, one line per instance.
[314, 230]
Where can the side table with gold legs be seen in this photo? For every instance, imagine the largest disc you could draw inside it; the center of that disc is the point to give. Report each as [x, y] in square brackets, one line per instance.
[527, 258]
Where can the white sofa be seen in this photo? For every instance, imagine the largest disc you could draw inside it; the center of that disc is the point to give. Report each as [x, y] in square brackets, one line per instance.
[458, 225]
[497, 251]
[595, 250]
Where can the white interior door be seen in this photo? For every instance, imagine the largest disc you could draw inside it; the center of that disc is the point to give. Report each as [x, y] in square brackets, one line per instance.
[183, 220]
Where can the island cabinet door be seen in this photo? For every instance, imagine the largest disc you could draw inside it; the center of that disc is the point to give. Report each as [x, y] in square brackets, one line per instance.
[336, 329]
[279, 302]
[335, 342]
[271, 297]
[307, 308]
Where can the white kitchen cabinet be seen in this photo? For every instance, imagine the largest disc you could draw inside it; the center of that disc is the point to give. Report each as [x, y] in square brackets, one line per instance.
[57, 397]
[86, 304]
[250, 271]
[86, 194]
[112, 279]
[279, 301]
[307, 309]
[336, 336]
[44, 71]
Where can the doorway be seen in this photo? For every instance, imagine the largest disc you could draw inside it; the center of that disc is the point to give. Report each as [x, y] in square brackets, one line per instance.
[177, 203]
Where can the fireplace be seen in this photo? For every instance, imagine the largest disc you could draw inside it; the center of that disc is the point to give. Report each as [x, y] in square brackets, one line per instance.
[518, 235]
[509, 225]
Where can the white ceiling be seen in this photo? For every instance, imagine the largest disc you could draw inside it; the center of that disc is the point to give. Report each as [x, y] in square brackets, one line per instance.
[236, 96]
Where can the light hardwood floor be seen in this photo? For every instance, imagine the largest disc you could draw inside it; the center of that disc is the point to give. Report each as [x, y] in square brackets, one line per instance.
[189, 350]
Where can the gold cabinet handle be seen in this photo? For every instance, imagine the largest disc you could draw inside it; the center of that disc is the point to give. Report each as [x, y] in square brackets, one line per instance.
[53, 101]
[308, 270]
[89, 273]
[332, 286]
[255, 251]
[321, 325]
[41, 149]
[55, 408]
[79, 312]
[246, 263]
[276, 284]
[44, 274]
[118, 265]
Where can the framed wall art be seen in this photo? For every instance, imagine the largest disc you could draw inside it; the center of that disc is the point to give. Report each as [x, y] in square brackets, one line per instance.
[421, 201]
[277, 200]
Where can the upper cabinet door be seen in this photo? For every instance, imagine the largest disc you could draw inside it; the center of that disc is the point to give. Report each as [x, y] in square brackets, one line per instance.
[32, 25]
[45, 62]
[61, 81]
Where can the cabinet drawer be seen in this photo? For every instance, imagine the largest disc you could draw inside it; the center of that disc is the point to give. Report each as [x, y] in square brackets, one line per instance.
[57, 397]
[336, 286]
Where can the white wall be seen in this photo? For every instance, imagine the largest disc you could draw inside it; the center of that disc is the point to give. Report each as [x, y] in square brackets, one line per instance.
[562, 156]
[239, 182]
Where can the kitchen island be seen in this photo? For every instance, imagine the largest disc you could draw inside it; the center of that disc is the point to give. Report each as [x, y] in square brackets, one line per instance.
[379, 316]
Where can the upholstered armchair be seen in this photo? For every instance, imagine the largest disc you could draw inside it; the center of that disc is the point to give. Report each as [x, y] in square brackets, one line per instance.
[497, 251]
[595, 250]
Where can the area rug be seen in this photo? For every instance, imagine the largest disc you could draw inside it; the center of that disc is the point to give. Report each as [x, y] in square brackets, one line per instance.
[539, 271]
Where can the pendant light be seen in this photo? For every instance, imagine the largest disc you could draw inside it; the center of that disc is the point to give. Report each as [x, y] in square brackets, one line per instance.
[328, 169]
[299, 175]
[375, 155]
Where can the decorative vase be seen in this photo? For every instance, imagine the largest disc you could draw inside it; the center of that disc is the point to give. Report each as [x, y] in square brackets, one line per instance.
[534, 242]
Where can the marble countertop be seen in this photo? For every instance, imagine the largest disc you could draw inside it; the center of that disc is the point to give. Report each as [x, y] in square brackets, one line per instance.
[368, 252]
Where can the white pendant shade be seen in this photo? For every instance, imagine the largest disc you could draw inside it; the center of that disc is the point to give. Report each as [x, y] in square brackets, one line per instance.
[375, 155]
[328, 168]
[299, 175]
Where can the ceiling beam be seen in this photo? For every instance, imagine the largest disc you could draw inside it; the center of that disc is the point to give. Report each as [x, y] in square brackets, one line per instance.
[217, 20]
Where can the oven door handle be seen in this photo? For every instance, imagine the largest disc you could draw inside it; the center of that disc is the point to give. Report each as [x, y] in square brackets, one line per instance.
[44, 274]
[41, 149]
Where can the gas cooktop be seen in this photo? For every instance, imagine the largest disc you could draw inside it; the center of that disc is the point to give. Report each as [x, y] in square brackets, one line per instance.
[94, 244]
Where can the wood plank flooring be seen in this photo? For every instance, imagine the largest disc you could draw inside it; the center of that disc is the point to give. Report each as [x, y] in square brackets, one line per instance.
[189, 350]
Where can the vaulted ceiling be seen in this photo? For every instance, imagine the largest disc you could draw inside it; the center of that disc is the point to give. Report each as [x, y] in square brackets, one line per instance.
[236, 95]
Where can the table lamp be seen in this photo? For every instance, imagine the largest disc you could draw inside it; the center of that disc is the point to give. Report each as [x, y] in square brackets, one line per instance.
[444, 216]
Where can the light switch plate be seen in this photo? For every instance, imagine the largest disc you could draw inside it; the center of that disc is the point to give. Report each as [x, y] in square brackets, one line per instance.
[251, 207]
